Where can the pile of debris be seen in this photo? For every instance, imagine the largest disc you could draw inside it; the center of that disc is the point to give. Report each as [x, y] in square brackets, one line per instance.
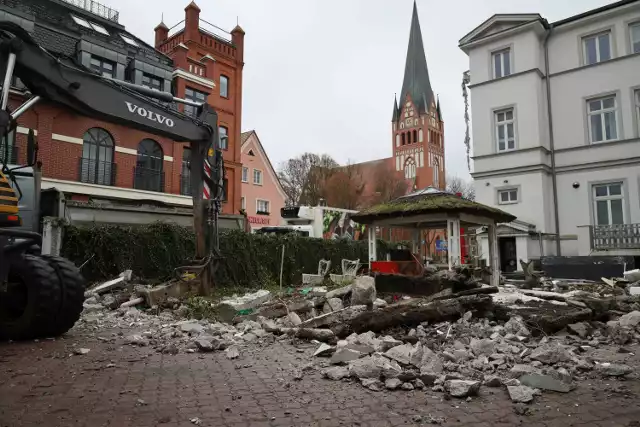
[462, 337]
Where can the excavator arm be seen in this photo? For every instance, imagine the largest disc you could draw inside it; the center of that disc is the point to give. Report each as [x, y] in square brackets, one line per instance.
[63, 82]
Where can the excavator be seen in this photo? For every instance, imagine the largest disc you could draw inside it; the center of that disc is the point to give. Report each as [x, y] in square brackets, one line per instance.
[42, 295]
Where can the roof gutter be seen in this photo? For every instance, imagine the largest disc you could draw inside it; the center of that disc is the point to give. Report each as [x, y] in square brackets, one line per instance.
[554, 182]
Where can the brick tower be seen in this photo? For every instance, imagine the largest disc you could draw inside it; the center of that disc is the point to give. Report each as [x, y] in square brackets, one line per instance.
[417, 125]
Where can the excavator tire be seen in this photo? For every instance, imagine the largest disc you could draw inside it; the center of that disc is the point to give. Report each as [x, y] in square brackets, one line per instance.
[72, 287]
[30, 299]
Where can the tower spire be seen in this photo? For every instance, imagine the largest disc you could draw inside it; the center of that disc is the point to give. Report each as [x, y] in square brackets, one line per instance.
[396, 110]
[416, 81]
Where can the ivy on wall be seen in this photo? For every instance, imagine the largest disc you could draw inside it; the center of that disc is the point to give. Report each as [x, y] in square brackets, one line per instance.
[251, 260]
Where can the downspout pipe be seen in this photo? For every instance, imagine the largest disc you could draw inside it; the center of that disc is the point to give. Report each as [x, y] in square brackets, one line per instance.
[554, 182]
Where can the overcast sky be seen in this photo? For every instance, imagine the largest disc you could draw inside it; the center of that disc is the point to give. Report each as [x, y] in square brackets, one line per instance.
[320, 75]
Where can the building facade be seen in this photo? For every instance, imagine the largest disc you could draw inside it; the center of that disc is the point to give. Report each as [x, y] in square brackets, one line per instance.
[262, 194]
[95, 162]
[208, 64]
[556, 130]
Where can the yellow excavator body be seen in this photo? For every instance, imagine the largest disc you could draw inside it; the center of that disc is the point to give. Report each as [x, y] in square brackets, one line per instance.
[8, 204]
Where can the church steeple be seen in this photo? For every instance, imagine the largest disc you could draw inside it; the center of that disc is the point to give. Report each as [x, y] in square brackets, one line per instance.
[416, 75]
[396, 110]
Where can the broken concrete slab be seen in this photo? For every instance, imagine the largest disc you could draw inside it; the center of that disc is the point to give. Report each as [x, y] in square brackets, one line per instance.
[367, 367]
[294, 318]
[324, 350]
[362, 348]
[392, 383]
[630, 320]
[390, 368]
[137, 339]
[581, 329]
[379, 303]
[492, 381]
[462, 388]
[229, 307]
[336, 372]
[232, 352]
[191, 327]
[363, 291]
[430, 362]
[520, 393]
[482, 347]
[407, 354]
[408, 386]
[207, 344]
[372, 384]
[545, 382]
[338, 293]
[344, 355]
[614, 369]
[519, 370]
[551, 353]
[335, 304]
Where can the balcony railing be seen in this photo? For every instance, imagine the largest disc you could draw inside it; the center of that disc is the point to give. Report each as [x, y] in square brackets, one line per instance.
[622, 236]
[13, 157]
[148, 179]
[92, 171]
[96, 8]
[185, 184]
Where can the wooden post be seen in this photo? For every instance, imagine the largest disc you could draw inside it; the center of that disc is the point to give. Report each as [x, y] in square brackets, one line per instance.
[453, 249]
[281, 268]
[373, 248]
[492, 235]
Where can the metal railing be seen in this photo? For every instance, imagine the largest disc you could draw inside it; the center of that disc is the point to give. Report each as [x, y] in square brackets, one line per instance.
[148, 179]
[622, 236]
[92, 171]
[13, 157]
[96, 8]
[185, 184]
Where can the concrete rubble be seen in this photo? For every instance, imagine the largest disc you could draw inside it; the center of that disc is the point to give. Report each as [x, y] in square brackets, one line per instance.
[459, 341]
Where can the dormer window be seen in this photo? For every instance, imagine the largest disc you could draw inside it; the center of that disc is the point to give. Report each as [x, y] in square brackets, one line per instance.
[129, 40]
[99, 28]
[81, 22]
[501, 63]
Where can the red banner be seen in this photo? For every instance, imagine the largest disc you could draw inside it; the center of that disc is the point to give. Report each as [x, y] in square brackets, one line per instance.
[259, 220]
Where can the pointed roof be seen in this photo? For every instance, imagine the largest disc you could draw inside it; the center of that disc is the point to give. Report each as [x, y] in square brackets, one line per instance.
[438, 110]
[396, 110]
[416, 75]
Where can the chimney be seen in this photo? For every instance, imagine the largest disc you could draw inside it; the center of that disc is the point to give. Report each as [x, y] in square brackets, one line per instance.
[162, 33]
[191, 22]
[237, 38]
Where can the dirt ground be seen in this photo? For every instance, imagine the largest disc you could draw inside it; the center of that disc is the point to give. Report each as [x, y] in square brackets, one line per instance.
[45, 384]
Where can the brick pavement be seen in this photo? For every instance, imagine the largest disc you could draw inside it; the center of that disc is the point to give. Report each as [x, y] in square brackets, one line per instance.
[43, 385]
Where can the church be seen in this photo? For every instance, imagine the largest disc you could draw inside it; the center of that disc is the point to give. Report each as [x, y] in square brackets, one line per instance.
[417, 127]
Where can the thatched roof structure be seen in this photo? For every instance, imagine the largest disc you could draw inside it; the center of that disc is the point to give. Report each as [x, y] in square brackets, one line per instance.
[429, 201]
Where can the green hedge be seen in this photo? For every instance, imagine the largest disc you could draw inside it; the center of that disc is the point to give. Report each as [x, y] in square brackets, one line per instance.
[153, 251]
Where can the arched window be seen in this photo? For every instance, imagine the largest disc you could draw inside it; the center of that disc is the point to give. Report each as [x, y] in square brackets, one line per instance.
[403, 139]
[436, 172]
[420, 136]
[96, 163]
[415, 136]
[148, 172]
[410, 168]
[409, 137]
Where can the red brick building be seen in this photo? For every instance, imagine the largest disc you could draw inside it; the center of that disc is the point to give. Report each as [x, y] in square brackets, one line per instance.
[94, 161]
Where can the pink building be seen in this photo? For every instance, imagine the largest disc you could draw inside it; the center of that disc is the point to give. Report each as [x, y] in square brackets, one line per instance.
[262, 193]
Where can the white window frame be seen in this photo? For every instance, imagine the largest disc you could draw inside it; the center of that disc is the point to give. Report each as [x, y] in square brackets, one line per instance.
[608, 198]
[261, 175]
[509, 192]
[245, 176]
[632, 26]
[636, 99]
[268, 205]
[99, 28]
[602, 113]
[505, 123]
[596, 36]
[502, 53]
[243, 203]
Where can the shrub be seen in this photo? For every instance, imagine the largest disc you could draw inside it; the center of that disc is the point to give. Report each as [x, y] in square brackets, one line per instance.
[251, 260]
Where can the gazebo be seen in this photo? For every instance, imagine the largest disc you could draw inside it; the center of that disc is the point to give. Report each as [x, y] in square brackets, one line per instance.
[431, 208]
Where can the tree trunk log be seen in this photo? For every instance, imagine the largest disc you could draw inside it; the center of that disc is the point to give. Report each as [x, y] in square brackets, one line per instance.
[414, 312]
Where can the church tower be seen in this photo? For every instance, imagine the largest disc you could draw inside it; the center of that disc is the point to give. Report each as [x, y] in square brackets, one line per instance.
[417, 125]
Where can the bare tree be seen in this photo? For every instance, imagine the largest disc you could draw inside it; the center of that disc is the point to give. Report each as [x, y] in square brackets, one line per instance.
[303, 178]
[456, 184]
[388, 184]
[345, 187]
